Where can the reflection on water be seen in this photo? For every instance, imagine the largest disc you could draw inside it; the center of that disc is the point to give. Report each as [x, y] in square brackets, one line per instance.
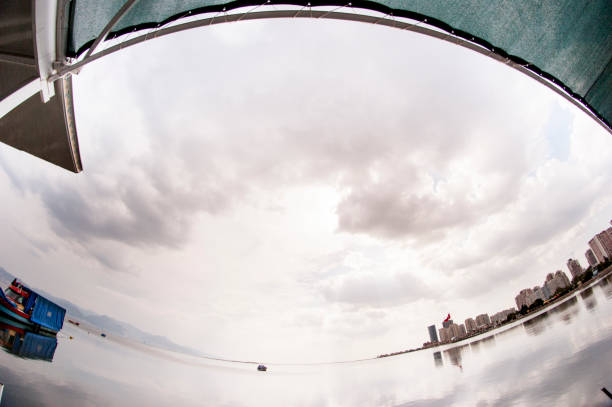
[567, 310]
[438, 359]
[537, 325]
[22, 341]
[606, 286]
[560, 357]
[589, 300]
[454, 355]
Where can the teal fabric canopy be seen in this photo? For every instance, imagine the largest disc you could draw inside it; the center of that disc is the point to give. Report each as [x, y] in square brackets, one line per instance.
[567, 42]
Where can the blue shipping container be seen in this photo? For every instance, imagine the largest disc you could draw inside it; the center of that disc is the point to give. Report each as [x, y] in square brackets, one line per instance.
[48, 314]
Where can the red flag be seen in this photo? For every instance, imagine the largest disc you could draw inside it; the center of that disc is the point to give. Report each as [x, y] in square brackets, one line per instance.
[447, 318]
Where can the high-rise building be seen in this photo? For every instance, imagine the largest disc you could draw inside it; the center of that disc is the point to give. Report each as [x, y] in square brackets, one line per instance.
[501, 316]
[524, 298]
[591, 258]
[598, 249]
[446, 324]
[574, 267]
[606, 243]
[528, 296]
[537, 294]
[445, 334]
[546, 290]
[563, 281]
[483, 320]
[433, 335]
[470, 325]
[453, 331]
[456, 331]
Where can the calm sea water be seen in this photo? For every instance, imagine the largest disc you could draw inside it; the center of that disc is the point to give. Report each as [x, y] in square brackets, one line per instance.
[562, 357]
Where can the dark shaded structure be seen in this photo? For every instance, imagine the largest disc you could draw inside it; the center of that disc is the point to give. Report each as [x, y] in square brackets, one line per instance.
[36, 115]
[433, 335]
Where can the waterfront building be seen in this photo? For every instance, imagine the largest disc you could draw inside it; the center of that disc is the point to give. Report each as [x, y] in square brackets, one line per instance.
[446, 324]
[496, 318]
[501, 316]
[537, 294]
[523, 298]
[456, 332]
[550, 286]
[528, 296]
[598, 249]
[591, 259]
[546, 290]
[445, 334]
[562, 279]
[574, 267]
[483, 320]
[470, 325]
[433, 335]
[453, 331]
[606, 243]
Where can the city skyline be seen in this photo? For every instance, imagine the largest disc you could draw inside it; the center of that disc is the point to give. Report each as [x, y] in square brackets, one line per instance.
[527, 296]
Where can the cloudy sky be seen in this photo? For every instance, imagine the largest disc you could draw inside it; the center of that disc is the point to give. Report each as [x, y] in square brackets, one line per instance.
[305, 190]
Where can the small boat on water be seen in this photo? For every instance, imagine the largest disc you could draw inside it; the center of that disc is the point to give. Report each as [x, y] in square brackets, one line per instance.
[262, 368]
[29, 308]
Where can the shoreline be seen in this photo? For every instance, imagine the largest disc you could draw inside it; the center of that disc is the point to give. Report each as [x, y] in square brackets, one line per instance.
[519, 320]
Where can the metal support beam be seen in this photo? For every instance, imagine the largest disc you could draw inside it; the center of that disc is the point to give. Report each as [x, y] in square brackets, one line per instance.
[45, 14]
[122, 11]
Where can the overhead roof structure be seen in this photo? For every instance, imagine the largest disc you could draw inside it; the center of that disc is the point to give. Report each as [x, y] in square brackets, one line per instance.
[565, 44]
[36, 115]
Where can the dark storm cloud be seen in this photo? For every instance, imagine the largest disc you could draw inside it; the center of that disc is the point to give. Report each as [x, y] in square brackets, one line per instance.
[392, 211]
[139, 208]
[399, 204]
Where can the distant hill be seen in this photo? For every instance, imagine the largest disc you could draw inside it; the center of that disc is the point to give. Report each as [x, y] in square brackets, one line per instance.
[5, 276]
[106, 323]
